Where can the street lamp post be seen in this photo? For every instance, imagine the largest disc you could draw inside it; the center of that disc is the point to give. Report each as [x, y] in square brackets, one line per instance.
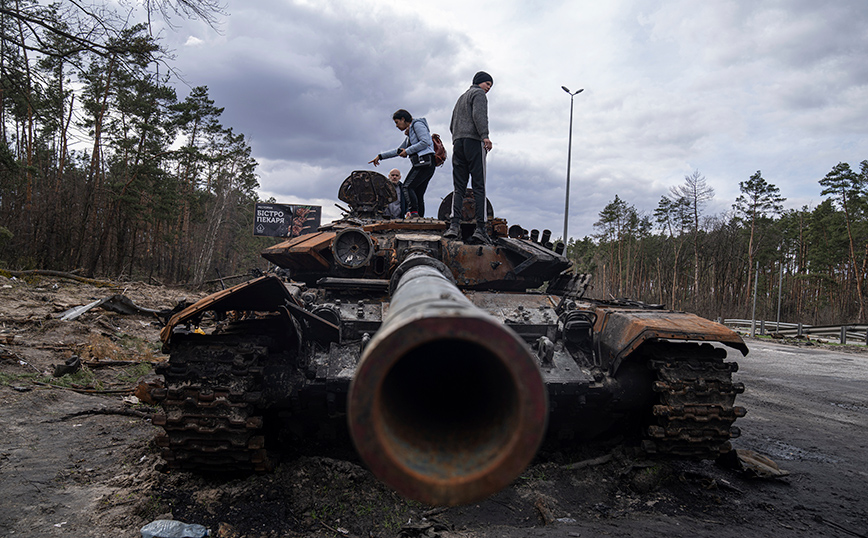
[569, 159]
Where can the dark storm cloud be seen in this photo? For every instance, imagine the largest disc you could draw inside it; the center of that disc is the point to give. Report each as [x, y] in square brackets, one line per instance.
[319, 86]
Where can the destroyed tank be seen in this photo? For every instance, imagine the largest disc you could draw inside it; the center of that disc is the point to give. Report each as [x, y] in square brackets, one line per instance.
[447, 363]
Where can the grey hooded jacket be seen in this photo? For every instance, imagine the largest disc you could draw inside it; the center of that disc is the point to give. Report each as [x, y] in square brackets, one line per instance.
[417, 142]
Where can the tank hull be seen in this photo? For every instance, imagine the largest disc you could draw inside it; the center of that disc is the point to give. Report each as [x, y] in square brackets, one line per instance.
[446, 364]
[667, 384]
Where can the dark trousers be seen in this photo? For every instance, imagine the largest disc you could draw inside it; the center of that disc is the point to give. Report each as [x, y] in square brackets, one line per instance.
[416, 185]
[468, 162]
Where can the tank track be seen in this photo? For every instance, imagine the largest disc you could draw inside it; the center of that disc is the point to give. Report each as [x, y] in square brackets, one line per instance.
[212, 388]
[695, 405]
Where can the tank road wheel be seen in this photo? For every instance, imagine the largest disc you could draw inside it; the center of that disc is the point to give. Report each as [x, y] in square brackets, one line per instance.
[209, 407]
[695, 407]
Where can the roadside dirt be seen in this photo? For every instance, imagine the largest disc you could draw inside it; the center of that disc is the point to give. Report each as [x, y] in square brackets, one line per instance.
[77, 459]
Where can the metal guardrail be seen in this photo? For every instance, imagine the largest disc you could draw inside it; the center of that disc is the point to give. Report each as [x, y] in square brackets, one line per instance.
[856, 333]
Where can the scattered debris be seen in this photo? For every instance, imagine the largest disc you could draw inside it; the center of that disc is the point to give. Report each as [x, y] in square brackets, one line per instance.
[58, 274]
[761, 466]
[7, 354]
[104, 411]
[727, 485]
[111, 363]
[840, 528]
[167, 528]
[23, 362]
[606, 458]
[752, 463]
[71, 366]
[75, 312]
[434, 512]
[427, 528]
[114, 303]
[225, 530]
[84, 390]
[543, 505]
[143, 391]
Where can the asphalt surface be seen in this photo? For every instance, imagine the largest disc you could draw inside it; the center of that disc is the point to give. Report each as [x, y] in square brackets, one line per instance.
[808, 411]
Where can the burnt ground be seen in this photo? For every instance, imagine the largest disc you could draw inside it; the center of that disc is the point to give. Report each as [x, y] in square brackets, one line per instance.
[77, 458]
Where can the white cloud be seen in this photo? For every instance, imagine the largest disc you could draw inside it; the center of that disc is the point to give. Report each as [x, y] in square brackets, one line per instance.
[726, 87]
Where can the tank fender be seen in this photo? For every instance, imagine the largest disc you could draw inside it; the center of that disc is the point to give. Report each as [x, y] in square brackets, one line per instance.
[264, 294]
[620, 332]
[305, 253]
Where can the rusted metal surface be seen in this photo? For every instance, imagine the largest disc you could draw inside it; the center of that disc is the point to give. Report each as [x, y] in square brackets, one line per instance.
[265, 293]
[302, 253]
[372, 251]
[696, 407]
[447, 405]
[367, 192]
[475, 265]
[509, 264]
[468, 208]
[622, 331]
[418, 224]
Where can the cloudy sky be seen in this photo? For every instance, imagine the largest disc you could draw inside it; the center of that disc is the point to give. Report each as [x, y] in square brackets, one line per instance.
[726, 88]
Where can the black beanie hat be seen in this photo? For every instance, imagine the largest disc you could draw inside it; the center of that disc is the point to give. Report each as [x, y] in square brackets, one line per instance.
[481, 77]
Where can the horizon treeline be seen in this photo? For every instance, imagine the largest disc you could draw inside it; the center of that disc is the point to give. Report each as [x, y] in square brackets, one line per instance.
[102, 168]
[809, 264]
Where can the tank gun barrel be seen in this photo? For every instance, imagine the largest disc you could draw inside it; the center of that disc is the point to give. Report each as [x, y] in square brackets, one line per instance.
[447, 405]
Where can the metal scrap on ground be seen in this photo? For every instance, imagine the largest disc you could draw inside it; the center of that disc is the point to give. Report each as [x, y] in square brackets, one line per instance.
[761, 466]
[120, 304]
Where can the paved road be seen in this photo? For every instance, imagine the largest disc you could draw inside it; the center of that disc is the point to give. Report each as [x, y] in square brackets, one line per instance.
[808, 410]
[805, 403]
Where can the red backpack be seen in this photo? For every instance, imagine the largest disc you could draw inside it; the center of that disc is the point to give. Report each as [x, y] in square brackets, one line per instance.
[439, 150]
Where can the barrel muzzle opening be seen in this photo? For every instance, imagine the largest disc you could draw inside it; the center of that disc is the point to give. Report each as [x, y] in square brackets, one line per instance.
[448, 408]
[453, 418]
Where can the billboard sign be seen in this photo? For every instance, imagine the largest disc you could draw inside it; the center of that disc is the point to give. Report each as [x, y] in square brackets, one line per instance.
[283, 220]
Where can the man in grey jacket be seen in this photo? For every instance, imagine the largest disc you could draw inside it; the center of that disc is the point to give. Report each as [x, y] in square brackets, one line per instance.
[470, 143]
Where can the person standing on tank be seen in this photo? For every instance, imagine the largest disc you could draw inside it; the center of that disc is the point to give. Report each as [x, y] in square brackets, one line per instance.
[470, 144]
[419, 147]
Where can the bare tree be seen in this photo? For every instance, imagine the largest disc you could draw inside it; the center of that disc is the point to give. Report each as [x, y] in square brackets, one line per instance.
[697, 192]
[204, 10]
[95, 27]
[672, 216]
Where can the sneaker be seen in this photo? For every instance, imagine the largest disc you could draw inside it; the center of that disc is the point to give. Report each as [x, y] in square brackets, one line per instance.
[452, 232]
[480, 237]
[412, 215]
